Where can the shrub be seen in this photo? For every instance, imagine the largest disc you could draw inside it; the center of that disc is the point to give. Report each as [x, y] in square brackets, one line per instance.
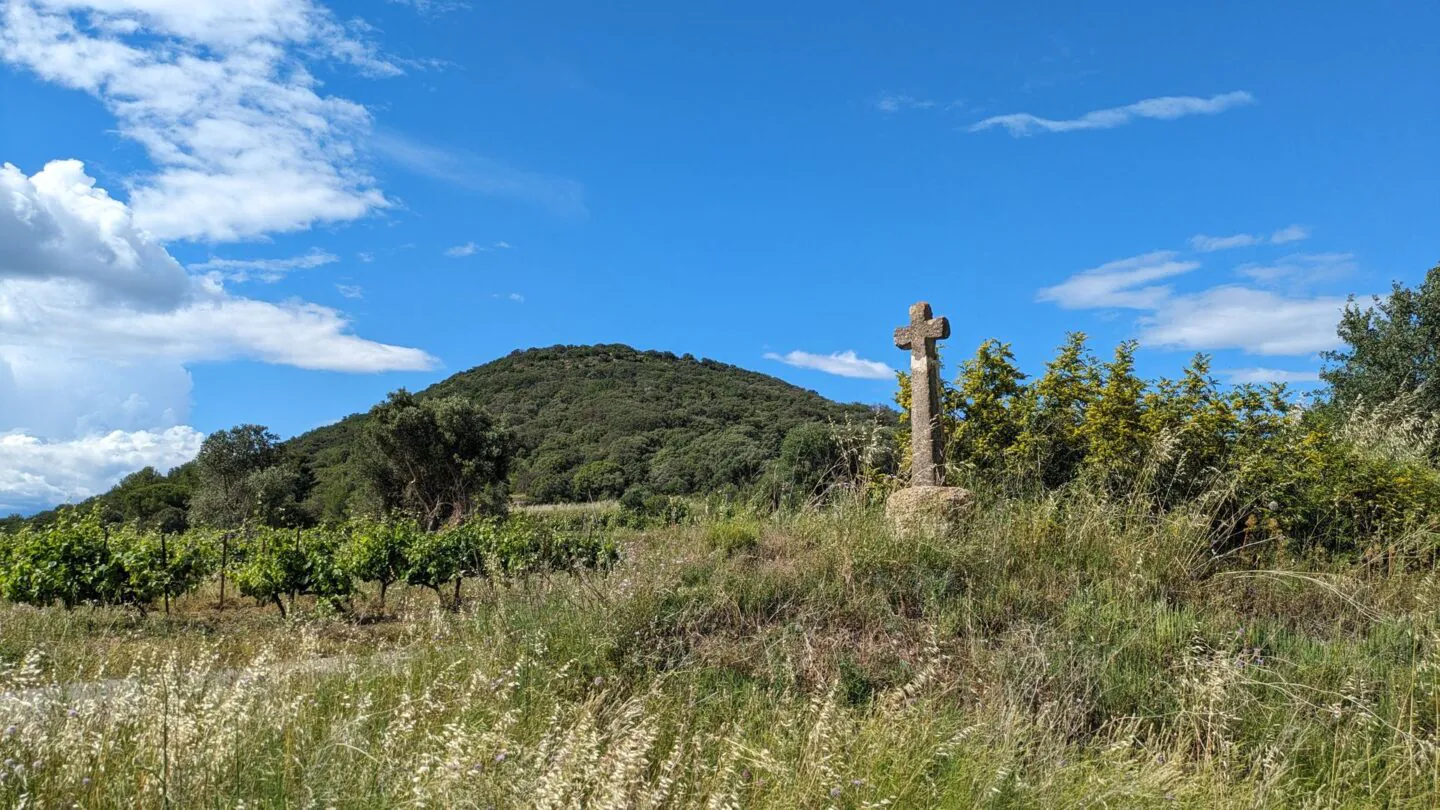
[732, 536]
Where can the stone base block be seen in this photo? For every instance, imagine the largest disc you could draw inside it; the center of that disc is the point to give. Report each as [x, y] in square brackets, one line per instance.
[928, 511]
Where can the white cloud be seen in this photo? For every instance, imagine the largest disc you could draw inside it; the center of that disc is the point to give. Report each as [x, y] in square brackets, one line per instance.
[1269, 375]
[1255, 321]
[1116, 284]
[483, 175]
[35, 474]
[350, 290]
[97, 325]
[1222, 317]
[367, 258]
[843, 364]
[145, 306]
[1294, 233]
[893, 102]
[1210, 244]
[1301, 268]
[1165, 108]
[265, 270]
[57, 225]
[219, 96]
[470, 249]
[517, 298]
[433, 8]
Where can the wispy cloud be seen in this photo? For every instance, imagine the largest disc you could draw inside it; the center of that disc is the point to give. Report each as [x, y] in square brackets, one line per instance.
[843, 364]
[1269, 375]
[1123, 284]
[895, 102]
[1294, 233]
[268, 271]
[482, 175]
[1166, 108]
[1301, 267]
[1210, 244]
[433, 8]
[471, 248]
[350, 290]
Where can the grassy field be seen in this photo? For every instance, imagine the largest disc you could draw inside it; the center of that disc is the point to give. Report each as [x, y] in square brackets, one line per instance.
[1060, 652]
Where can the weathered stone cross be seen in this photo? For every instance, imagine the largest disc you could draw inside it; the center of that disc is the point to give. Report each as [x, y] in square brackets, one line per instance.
[926, 441]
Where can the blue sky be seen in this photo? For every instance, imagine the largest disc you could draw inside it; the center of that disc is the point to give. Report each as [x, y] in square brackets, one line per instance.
[278, 213]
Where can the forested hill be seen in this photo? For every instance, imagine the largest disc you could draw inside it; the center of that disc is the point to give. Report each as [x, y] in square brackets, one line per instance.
[593, 420]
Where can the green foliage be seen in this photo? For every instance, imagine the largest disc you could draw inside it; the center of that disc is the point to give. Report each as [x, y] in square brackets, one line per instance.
[294, 562]
[440, 558]
[68, 562]
[598, 480]
[1265, 470]
[1053, 444]
[674, 424]
[1392, 349]
[1113, 434]
[442, 459]
[810, 461]
[732, 536]
[987, 409]
[377, 550]
[78, 559]
[243, 475]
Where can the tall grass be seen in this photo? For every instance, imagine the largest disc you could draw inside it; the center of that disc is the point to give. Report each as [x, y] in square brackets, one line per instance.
[1061, 650]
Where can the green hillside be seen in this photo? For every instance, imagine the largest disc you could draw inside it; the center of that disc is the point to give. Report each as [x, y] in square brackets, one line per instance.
[675, 424]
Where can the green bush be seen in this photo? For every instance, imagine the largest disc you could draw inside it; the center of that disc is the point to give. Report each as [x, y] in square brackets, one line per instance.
[732, 536]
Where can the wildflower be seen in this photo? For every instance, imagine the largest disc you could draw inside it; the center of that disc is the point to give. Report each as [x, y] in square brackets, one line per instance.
[500, 757]
[835, 793]
[598, 681]
[9, 730]
[73, 713]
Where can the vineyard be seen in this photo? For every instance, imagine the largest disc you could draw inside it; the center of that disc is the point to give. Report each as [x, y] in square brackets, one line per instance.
[81, 560]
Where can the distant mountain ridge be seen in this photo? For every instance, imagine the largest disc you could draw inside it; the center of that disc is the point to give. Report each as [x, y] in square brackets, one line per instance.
[634, 418]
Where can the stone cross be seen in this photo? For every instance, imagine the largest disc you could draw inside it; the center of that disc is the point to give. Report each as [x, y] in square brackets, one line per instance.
[926, 442]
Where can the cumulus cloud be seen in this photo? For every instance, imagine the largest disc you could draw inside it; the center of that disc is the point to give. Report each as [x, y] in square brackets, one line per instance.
[1165, 108]
[98, 323]
[219, 95]
[268, 271]
[1228, 316]
[35, 474]
[1255, 321]
[843, 364]
[136, 302]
